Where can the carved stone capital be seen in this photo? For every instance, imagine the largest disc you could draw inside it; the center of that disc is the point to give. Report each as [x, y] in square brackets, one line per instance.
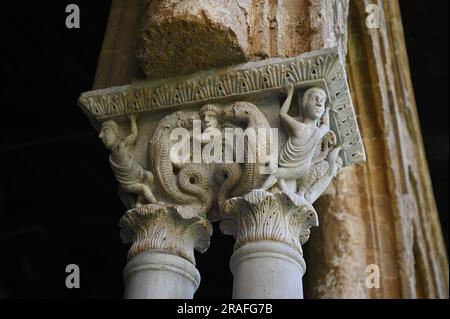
[171, 187]
[260, 216]
[162, 228]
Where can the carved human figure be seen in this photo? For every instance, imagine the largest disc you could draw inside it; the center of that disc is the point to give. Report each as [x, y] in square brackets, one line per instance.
[132, 177]
[186, 122]
[304, 135]
[210, 115]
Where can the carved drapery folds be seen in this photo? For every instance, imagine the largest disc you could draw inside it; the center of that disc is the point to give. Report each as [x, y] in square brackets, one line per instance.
[262, 198]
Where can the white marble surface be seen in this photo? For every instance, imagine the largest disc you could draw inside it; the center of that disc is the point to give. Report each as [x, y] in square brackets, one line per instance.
[267, 270]
[156, 275]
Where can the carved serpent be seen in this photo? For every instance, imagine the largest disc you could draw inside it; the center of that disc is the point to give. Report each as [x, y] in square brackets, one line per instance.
[191, 182]
[193, 179]
[251, 117]
[227, 176]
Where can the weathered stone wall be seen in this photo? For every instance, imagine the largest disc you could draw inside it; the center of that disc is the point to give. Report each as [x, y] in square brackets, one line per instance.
[117, 63]
[384, 212]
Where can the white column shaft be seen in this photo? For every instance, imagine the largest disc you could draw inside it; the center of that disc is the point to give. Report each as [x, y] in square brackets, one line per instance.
[267, 270]
[156, 275]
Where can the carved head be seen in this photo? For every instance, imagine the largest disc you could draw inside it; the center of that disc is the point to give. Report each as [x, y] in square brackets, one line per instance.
[237, 111]
[186, 119]
[210, 114]
[313, 105]
[109, 134]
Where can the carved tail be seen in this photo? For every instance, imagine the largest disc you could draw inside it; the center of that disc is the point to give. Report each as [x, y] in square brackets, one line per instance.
[193, 179]
[227, 176]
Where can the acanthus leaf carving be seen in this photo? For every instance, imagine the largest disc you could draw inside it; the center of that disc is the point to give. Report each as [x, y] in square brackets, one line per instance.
[163, 228]
[261, 215]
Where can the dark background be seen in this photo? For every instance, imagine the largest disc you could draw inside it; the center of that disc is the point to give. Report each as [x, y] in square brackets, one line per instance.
[58, 200]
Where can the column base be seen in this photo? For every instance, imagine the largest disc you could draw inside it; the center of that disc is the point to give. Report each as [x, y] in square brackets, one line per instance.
[157, 275]
[267, 270]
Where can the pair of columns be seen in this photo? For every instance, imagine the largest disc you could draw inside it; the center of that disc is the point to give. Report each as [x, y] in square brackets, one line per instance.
[267, 261]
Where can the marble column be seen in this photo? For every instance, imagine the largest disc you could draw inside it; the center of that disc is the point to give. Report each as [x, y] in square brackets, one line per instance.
[156, 275]
[161, 261]
[269, 229]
